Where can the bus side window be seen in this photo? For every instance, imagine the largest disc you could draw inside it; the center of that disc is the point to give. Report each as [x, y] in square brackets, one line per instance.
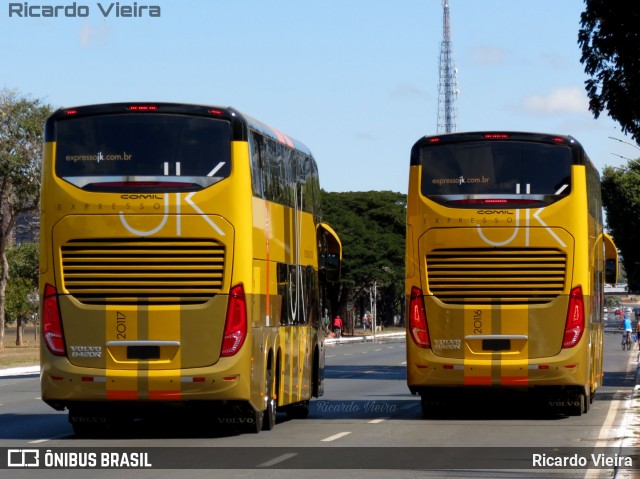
[611, 271]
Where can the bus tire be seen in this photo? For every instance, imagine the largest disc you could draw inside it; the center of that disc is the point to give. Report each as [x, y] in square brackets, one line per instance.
[270, 401]
[89, 425]
[256, 421]
[587, 399]
[298, 410]
[576, 404]
[431, 403]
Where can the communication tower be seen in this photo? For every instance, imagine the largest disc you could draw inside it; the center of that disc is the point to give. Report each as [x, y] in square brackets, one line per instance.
[448, 84]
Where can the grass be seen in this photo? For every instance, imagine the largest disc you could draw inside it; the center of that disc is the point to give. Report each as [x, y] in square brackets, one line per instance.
[26, 355]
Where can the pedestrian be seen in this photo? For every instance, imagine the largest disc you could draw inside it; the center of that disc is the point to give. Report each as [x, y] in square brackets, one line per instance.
[626, 326]
[337, 326]
[365, 322]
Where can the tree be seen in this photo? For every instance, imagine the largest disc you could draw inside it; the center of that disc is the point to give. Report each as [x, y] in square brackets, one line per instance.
[621, 201]
[610, 41]
[371, 226]
[22, 288]
[21, 121]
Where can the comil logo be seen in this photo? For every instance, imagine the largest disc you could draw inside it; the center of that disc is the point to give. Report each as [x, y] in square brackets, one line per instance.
[23, 458]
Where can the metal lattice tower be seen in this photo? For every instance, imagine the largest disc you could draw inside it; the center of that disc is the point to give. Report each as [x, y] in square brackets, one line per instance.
[448, 85]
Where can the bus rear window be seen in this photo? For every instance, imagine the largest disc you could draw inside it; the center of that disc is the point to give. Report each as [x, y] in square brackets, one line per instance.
[496, 168]
[113, 149]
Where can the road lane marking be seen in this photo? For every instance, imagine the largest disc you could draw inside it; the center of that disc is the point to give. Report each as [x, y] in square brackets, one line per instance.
[278, 460]
[376, 421]
[607, 432]
[335, 436]
[38, 441]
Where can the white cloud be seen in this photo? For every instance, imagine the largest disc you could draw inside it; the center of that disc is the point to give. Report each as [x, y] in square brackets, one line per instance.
[488, 55]
[561, 100]
[407, 90]
[93, 36]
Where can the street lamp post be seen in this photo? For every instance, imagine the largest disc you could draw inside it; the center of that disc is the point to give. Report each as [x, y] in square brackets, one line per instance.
[625, 142]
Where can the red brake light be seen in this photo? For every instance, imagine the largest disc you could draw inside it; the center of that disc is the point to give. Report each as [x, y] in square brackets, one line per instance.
[495, 201]
[495, 136]
[216, 112]
[434, 140]
[574, 326]
[235, 326]
[51, 322]
[143, 107]
[140, 185]
[418, 319]
[71, 112]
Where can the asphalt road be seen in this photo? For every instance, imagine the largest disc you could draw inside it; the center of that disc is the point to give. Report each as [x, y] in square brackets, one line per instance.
[367, 425]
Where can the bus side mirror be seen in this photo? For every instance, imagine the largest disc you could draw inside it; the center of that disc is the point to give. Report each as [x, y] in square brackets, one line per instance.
[330, 264]
[611, 271]
[610, 260]
[329, 253]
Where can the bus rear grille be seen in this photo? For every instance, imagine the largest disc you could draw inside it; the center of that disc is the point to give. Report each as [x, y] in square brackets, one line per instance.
[152, 271]
[496, 276]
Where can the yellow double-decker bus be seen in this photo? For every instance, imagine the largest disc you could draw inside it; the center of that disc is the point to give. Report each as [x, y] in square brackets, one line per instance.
[505, 268]
[182, 263]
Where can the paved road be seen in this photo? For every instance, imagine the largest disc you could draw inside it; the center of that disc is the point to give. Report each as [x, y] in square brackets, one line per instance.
[367, 419]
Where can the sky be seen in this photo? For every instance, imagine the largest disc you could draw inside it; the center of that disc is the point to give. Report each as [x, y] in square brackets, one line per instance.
[354, 80]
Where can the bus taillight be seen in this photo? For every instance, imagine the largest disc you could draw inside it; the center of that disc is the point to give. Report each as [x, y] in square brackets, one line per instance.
[143, 108]
[51, 322]
[574, 326]
[235, 326]
[418, 319]
[496, 136]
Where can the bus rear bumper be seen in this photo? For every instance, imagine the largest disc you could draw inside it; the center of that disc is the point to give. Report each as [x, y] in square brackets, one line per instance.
[63, 384]
[443, 372]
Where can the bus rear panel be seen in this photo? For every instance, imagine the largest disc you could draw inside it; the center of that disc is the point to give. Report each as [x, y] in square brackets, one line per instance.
[504, 267]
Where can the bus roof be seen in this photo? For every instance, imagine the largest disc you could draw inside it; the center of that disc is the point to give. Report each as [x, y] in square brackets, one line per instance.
[497, 135]
[240, 122]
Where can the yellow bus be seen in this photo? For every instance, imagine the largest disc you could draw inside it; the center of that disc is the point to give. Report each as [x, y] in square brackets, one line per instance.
[182, 263]
[505, 268]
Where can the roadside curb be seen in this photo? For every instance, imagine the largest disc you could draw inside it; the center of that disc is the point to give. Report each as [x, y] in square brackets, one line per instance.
[362, 339]
[20, 371]
[631, 439]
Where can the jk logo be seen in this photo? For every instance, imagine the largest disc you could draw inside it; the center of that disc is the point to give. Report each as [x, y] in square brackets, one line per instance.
[23, 458]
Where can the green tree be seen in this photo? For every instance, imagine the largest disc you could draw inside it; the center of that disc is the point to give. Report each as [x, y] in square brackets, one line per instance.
[21, 121]
[371, 226]
[610, 41]
[621, 201]
[22, 288]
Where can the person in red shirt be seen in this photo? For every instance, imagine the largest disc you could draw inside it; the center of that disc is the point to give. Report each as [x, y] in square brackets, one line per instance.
[337, 326]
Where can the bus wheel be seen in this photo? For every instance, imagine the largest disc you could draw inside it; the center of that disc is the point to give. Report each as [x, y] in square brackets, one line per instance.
[89, 425]
[298, 410]
[587, 398]
[270, 400]
[431, 404]
[576, 404]
[255, 421]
